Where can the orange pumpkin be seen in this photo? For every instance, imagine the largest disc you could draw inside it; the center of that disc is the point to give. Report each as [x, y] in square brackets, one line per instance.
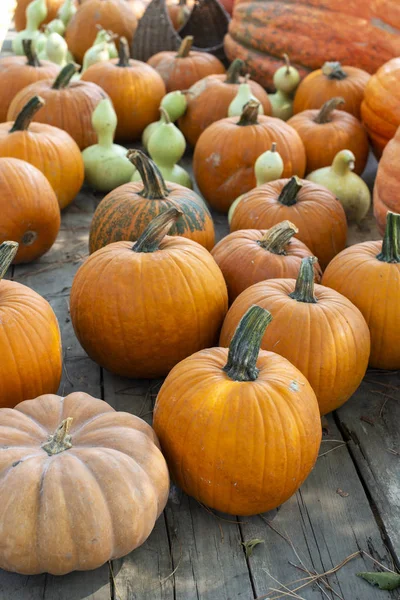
[380, 109]
[332, 80]
[225, 154]
[126, 211]
[208, 100]
[327, 131]
[316, 212]
[48, 148]
[231, 406]
[248, 256]
[135, 89]
[113, 15]
[30, 214]
[318, 330]
[387, 183]
[368, 274]
[30, 342]
[18, 74]
[179, 13]
[68, 106]
[123, 321]
[85, 484]
[184, 68]
[53, 6]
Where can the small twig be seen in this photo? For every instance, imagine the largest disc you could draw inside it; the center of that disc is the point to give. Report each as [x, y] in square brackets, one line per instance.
[66, 370]
[377, 562]
[332, 449]
[165, 579]
[393, 451]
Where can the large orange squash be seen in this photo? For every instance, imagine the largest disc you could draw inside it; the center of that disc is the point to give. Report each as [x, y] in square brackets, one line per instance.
[380, 109]
[327, 131]
[248, 416]
[248, 256]
[225, 154]
[30, 341]
[311, 32]
[368, 274]
[138, 310]
[387, 182]
[48, 148]
[316, 212]
[68, 106]
[29, 209]
[135, 88]
[80, 484]
[126, 211]
[318, 330]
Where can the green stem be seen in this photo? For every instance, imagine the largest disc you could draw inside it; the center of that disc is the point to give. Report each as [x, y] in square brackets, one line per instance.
[65, 75]
[60, 440]
[233, 73]
[287, 63]
[333, 70]
[288, 195]
[123, 53]
[278, 237]
[185, 47]
[165, 116]
[156, 231]
[390, 252]
[245, 345]
[304, 290]
[154, 187]
[30, 53]
[24, 118]
[8, 250]
[325, 112]
[249, 114]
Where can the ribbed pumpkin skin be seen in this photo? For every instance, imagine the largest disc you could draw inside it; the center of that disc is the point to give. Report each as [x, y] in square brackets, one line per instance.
[318, 215]
[52, 151]
[18, 76]
[322, 141]
[124, 214]
[328, 342]
[244, 262]
[30, 345]
[240, 447]
[225, 154]
[315, 89]
[53, 7]
[374, 287]
[380, 110]
[151, 309]
[208, 101]
[86, 505]
[310, 32]
[387, 183]
[69, 108]
[30, 214]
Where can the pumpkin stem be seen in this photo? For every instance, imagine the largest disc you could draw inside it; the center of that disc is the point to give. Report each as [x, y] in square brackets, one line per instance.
[26, 115]
[30, 53]
[245, 345]
[185, 47]
[249, 114]
[123, 53]
[390, 252]
[334, 70]
[326, 110]
[288, 195]
[304, 290]
[154, 187]
[233, 73]
[8, 250]
[156, 230]
[65, 75]
[165, 116]
[276, 238]
[273, 147]
[60, 440]
[287, 63]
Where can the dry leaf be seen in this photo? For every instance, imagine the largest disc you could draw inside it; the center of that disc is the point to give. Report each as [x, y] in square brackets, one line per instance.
[384, 581]
[250, 545]
[342, 493]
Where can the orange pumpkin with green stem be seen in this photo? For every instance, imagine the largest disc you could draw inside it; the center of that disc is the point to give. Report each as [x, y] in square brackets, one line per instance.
[387, 182]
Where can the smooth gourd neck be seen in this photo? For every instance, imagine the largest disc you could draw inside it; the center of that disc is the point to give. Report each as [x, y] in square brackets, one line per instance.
[390, 252]
[30, 53]
[249, 114]
[233, 73]
[304, 290]
[245, 345]
[123, 53]
[325, 113]
[343, 163]
[334, 70]
[185, 47]
[156, 231]
[276, 238]
[288, 195]
[64, 77]
[8, 251]
[60, 440]
[154, 187]
[24, 119]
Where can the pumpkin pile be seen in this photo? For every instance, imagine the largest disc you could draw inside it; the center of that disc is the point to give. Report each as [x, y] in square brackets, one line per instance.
[277, 318]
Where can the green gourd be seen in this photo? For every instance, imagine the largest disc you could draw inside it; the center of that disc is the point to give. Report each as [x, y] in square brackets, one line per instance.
[106, 163]
[108, 37]
[348, 187]
[67, 11]
[175, 104]
[57, 49]
[286, 80]
[282, 105]
[268, 167]
[243, 96]
[36, 12]
[55, 26]
[95, 54]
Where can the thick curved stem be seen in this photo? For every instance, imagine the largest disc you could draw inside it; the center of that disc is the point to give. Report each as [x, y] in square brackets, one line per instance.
[288, 195]
[233, 73]
[60, 440]
[343, 162]
[156, 231]
[333, 70]
[390, 252]
[65, 75]
[278, 237]
[185, 47]
[8, 250]
[30, 53]
[287, 63]
[165, 116]
[325, 113]
[123, 53]
[26, 115]
[304, 290]
[154, 187]
[245, 345]
[249, 114]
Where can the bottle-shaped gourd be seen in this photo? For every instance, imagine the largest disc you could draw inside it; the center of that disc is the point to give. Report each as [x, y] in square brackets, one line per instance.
[56, 26]
[175, 105]
[56, 50]
[243, 96]
[348, 187]
[268, 167]
[286, 79]
[106, 163]
[95, 54]
[108, 37]
[36, 12]
[67, 11]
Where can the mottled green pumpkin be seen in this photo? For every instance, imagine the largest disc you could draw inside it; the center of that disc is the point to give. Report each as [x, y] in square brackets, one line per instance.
[126, 211]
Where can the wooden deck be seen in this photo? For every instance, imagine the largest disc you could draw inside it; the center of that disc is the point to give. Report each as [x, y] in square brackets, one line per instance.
[347, 510]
